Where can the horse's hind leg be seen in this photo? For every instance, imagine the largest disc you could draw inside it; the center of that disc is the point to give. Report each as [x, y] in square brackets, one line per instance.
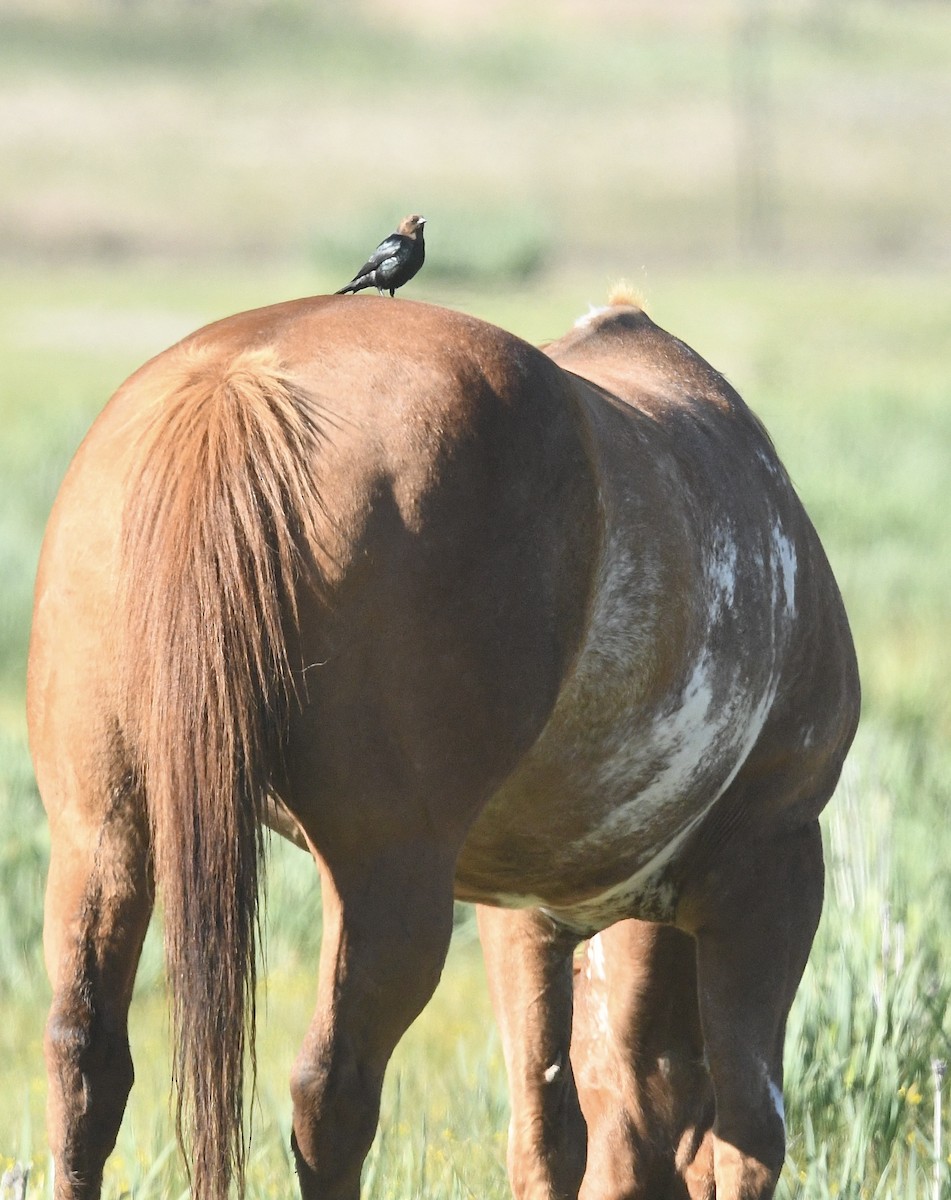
[754, 916]
[529, 963]
[638, 1056]
[98, 903]
[387, 925]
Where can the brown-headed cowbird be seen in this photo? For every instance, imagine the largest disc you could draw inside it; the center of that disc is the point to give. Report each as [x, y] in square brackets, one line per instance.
[394, 262]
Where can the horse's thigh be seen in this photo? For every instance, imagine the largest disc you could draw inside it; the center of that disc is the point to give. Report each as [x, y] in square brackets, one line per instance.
[98, 904]
[639, 1062]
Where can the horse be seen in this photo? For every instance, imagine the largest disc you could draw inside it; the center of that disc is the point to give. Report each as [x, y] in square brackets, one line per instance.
[546, 630]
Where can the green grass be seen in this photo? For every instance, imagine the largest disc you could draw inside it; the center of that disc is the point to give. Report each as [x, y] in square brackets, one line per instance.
[872, 1013]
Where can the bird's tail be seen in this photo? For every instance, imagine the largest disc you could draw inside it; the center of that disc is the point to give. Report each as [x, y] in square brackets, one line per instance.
[343, 291]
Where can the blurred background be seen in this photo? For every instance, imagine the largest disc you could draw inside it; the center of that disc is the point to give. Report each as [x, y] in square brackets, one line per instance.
[774, 178]
[540, 138]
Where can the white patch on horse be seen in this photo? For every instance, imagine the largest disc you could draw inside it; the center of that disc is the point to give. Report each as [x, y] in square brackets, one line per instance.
[591, 315]
[679, 739]
[597, 976]
[775, 1095]
[772, 465]
[784, 561]
[596, 965]
[721, 573]
[552, 1072]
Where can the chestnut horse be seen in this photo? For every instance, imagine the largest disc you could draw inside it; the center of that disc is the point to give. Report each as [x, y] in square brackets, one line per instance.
[549, 632]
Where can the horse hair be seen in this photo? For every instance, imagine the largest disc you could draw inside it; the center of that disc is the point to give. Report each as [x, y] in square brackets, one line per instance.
[217, 535]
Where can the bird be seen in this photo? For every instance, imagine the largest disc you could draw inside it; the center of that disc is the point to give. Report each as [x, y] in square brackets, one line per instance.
[394, 262]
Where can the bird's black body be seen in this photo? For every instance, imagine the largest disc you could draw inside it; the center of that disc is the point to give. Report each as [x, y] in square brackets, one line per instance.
[394, 262]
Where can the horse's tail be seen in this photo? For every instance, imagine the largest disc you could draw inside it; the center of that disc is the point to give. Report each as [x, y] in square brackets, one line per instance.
[218, 529]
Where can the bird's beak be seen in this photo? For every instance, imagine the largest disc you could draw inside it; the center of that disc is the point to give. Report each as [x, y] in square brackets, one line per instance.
[420, 220]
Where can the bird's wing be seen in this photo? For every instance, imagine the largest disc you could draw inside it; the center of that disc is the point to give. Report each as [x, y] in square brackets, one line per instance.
[392, 247]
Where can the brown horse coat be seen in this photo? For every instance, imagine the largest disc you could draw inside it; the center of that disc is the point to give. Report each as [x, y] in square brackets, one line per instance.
[549, 633]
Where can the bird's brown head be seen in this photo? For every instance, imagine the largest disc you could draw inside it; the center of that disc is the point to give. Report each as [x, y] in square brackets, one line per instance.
[410, 226]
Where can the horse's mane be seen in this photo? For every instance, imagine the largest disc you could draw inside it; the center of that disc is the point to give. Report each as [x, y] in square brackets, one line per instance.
[623, 293]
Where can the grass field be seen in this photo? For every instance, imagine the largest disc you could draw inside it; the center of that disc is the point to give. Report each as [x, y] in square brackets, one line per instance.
[164, 166]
